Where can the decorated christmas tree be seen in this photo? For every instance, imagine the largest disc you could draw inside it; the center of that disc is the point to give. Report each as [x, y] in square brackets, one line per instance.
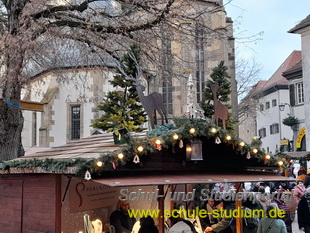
[122, 110]
[220, 77]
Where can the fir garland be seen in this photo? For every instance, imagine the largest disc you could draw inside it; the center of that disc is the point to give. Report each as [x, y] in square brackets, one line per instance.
[111, 160]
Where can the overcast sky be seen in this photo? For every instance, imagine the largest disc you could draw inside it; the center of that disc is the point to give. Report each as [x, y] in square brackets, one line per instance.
[272, 17]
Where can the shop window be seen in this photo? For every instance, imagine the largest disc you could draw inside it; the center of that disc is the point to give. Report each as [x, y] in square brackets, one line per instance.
[274, 129]
[267, 105]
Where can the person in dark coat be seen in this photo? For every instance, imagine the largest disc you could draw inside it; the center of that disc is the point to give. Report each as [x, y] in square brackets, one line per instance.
[303, 212]
[226, 223]
[282, 206]
[120, 218]
[147, 225]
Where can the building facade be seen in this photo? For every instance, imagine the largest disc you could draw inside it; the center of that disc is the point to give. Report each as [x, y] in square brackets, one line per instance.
[267, 118]
[303, 28]
[70, 106]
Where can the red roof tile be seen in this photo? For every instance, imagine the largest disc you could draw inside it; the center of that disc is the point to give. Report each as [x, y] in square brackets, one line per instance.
[277, 78]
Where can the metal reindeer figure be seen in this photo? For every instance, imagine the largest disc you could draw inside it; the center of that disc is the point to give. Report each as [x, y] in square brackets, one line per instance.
[220, 110]
[152, 102]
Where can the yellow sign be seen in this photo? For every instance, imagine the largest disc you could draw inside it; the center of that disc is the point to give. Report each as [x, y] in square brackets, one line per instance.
[301, 134]
[283, 142]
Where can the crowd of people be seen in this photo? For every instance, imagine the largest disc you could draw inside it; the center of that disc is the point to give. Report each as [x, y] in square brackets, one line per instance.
[264, 224]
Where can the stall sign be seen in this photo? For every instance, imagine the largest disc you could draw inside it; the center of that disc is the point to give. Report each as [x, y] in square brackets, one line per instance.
[88, 195]
[300, 135]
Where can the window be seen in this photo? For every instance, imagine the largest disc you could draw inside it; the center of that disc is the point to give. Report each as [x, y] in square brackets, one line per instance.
[299, 93]
[200, 73]
[167, 71]
[75, 122]
[274, 103]
[261, 107]
[274, 129]
[267, 105]
[262, 132]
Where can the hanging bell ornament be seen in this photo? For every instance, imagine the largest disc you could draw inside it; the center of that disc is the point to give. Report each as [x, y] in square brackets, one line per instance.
[248, 156]
[217, 140]
[87, 175]
[136, 159]
[113, 165]
[181, 144]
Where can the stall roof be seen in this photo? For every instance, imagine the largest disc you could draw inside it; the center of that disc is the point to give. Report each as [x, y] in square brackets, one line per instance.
[90, 147]
[297, 154]
[187, 178]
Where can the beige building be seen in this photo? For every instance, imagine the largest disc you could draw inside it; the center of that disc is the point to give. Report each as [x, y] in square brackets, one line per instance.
[70, 106]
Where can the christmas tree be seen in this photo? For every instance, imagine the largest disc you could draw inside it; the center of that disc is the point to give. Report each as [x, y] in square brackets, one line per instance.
[122, 109]
[220, 77]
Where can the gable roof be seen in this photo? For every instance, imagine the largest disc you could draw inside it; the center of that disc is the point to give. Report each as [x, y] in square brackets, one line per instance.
[277, 79]
[304, 23]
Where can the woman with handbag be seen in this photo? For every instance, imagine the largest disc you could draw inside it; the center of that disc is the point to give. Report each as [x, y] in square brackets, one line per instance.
[271, 224]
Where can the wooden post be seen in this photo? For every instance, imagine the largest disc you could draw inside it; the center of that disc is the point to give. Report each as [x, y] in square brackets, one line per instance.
[171, 201]
[161, 205]
[239, 228]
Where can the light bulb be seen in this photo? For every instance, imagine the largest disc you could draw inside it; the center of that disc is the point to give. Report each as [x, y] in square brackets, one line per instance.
[140, 148]
[175, 137]
[120, 155]
[213, 130]
[192, 131]
[228, 137]
[99, 164]
[242, 144]
[255, 150]
[157, 142]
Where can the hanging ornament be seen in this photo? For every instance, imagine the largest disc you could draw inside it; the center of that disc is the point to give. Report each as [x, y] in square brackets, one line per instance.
[280, 169]
[158, 147]
[248, 156]
[217, 140]
[119, 137]
[87, 175]
[181, 144]
[136, 159]
[113, 165]
[233, 146]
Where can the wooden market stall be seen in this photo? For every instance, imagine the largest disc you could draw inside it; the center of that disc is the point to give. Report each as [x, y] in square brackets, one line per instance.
[47, 191]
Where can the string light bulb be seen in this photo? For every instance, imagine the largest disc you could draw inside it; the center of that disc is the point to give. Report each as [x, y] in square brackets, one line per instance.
[140, 148]
[192, 130]
[213, 130]
[280, 163]
[99, 163]
[158, 142]
[267, 156]
[120, 156]
[175, 137]
[242, 144]
[254, 150]
[228, 137]
[188, 149]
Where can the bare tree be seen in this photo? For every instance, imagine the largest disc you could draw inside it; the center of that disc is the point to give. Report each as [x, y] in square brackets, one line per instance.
[40, 35]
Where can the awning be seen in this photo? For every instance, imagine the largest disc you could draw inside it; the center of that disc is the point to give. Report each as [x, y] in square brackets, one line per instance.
[297, 154]
[186, 178]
